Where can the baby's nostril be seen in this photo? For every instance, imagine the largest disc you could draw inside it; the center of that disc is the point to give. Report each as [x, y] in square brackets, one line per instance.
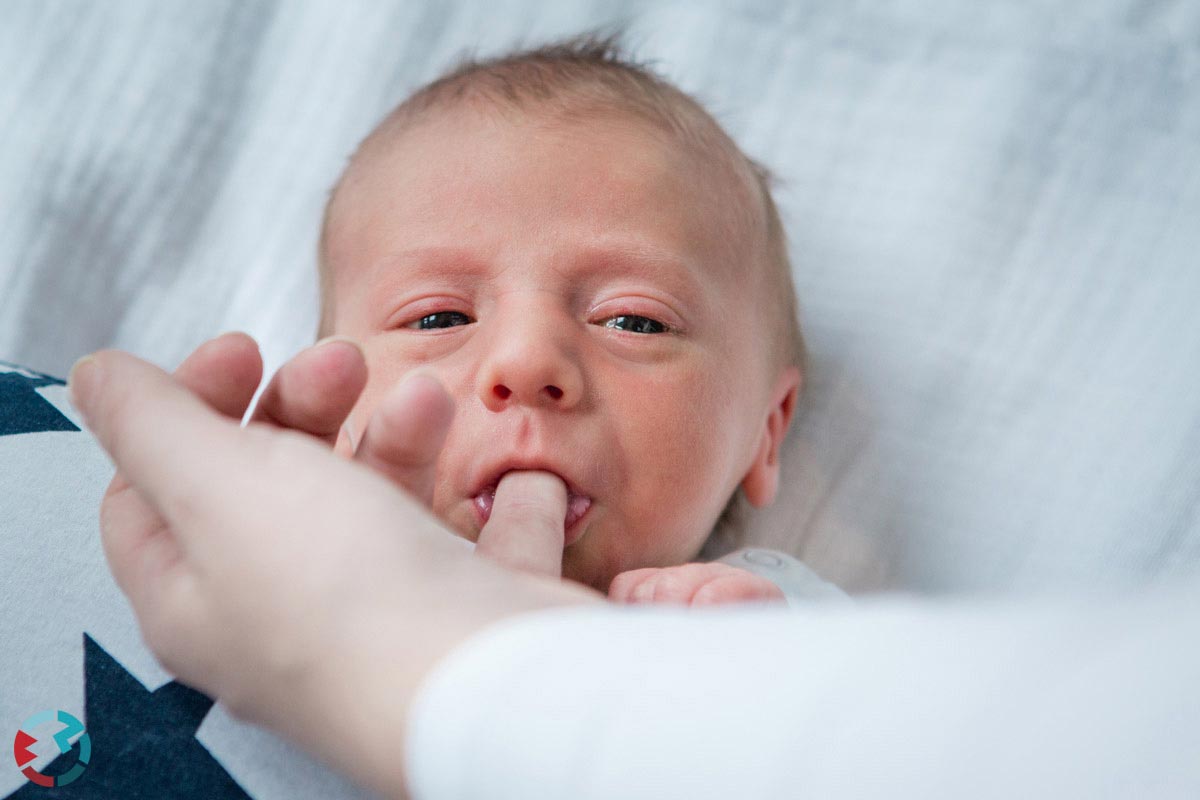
[502, 391]
[554, 391]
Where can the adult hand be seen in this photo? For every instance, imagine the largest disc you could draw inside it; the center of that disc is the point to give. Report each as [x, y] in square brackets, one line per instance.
[301, 590]
[314, 392]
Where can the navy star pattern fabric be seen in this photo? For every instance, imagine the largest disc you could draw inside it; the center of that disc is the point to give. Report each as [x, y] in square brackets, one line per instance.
[143, 742]
[22, 409]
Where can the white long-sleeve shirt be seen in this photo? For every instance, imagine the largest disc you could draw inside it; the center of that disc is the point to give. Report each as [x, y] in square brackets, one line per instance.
[890, 698]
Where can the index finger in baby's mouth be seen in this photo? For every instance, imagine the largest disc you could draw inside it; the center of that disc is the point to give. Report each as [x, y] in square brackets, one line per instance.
[526, 528]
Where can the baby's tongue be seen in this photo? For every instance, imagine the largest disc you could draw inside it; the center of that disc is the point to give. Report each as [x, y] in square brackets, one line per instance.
[518, 538]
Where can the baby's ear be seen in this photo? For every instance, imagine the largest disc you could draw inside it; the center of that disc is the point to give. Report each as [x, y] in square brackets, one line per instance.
[762, 479]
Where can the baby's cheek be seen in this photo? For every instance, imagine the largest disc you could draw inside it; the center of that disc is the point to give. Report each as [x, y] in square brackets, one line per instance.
[673, 515]
[598, 557]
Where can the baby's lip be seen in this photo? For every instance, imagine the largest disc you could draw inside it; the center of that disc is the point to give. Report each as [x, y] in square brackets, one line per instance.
[489, 478]
[483, 491]
[577, 507]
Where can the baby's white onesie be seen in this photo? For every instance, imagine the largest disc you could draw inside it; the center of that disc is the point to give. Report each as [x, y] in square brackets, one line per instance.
[797, 581]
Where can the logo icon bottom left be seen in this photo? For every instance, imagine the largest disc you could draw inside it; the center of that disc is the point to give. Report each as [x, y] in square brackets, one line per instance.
[62, 739]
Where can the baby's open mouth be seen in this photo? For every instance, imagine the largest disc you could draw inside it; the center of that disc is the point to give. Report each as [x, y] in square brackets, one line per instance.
[577, 507]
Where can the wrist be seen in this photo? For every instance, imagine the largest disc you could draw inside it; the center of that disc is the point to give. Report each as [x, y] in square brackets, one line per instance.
[355, 709]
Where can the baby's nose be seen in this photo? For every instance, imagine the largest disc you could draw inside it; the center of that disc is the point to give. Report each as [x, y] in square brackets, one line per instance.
[546, 381]
[503, 392]
[530, 364]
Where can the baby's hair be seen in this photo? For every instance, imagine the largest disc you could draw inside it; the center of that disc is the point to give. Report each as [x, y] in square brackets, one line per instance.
[591, 73]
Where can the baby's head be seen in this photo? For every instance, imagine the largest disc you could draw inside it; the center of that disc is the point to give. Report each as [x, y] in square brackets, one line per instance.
[596, 274]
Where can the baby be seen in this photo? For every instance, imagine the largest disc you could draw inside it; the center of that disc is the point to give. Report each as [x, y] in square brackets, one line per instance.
[599, 278]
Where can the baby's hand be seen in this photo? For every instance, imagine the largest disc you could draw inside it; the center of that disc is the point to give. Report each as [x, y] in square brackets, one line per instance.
[692, 585]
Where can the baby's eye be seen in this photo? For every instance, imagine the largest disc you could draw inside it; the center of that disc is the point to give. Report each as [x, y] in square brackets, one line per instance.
[635, 324]
[440, 319]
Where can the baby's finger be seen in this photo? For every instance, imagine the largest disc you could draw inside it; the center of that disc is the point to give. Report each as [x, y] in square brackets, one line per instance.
[526, 529]
[405, 434]
[315, 391]
[620, 589]
[675, 584]
[737, 589]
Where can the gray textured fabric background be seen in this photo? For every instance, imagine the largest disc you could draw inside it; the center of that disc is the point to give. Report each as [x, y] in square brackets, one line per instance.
[994, 211]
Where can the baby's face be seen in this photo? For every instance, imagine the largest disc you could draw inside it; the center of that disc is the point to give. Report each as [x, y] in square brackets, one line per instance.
[583, 298]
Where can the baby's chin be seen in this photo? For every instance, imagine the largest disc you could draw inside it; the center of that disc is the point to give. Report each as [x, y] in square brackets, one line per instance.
[582, 566]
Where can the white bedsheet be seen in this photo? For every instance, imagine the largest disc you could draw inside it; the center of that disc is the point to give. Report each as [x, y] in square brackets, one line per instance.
[992, 210]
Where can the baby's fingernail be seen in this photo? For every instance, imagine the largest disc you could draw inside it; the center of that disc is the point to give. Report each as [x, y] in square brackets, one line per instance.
[82, 382]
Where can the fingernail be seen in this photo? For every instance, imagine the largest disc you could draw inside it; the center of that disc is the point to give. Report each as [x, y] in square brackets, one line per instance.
[348, 429]
[438, 415]
[418, 372]
[407, 385]
[82, 382]
[345, 339]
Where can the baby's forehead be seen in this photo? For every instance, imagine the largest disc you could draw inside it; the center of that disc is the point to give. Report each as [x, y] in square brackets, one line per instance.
[707, 156]
[699, 182]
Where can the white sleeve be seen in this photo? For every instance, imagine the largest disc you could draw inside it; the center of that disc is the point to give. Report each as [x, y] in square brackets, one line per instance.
[888, 698]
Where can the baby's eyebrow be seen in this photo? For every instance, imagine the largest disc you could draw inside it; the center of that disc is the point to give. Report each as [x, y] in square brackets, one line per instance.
[642, 261]
[463, 266]
[458, 265]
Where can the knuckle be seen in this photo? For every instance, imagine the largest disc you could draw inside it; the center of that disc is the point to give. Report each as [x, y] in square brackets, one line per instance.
[619, 586]
[671, 585]
[704, 595]
[643, 591]
[623, 586]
